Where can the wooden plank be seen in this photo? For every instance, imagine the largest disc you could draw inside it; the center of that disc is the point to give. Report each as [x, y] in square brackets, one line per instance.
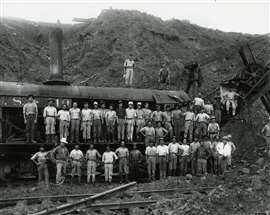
[83, 203]
[122, 205]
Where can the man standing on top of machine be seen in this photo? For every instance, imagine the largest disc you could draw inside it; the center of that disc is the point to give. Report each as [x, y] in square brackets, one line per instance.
[129, 66]
[75, 117]
[30, 113]
[130, 119]
[86, 123]
[50, 114]
[139, 120]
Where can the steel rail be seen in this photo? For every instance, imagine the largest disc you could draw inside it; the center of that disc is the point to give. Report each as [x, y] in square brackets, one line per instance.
[83, 203]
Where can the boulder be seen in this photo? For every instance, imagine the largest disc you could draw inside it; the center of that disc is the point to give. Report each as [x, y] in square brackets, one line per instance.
[245, 170]
[256, 183]
[260, 162]
[189, 176]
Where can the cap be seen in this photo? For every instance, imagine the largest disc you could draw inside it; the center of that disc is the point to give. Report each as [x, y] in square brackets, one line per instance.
[139, 103]
[130, 103]
[63, 140]
[95, 103]
[120, 102]
[50, 99]
[229, 136]
[213, 117]
[224, 137]
[30, 96]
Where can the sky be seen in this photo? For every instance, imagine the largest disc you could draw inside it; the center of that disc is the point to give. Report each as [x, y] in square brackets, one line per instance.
[247, 16]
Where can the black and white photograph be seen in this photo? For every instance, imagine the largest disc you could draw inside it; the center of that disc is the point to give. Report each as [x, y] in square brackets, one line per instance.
[135, 107]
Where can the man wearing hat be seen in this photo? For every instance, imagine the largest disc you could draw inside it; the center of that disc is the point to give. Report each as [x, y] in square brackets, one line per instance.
[104, 126]
[178, 122]
[202, 119]
[61, 155]
[130, 121]
[75, 118]
[162, 153]
[167, 119]
[110, 118]
[139, 120]
[30, 113]
[157, 115]
[76, 156]
[266, 134]
[129, 66]
[229, 149]
[64, 120]
[151, 158]
[220, 156]
[217, 109]
[213, 128]
[121, 114]
[96, 122]
[147, 113]
[86, 122]
[50, 115]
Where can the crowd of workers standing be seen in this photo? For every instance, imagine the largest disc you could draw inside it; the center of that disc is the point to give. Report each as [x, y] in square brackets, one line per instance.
[193, 134]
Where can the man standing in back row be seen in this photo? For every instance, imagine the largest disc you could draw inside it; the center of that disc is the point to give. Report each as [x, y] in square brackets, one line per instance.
[50, 114]
[75, 116]
[130, 120]
[30, 113]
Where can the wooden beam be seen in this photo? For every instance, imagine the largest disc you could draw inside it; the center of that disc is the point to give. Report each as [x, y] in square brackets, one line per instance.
[1, 127]
[83, 203]
[122, 205]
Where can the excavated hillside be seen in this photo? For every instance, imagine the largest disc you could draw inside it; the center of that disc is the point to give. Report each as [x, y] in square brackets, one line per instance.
[97, 49]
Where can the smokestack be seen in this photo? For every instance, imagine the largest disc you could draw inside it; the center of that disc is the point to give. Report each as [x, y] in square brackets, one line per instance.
[56, 57]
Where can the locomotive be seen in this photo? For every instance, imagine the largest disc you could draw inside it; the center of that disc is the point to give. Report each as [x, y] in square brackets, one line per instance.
[14, 151]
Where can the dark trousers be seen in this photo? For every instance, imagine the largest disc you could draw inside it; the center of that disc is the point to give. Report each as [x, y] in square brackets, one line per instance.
[75, 129]
[134, 169]
[30, 127]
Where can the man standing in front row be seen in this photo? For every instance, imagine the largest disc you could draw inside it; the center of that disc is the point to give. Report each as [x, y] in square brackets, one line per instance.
[49, 115]
[61, 155]
[108, 158]
[123, 157]
[151, 157]
[76, 156]
[129, 66]
[40, 159]
[174, 149]
[30, 113]
[163, 153]
[92, 156]
[75, 116]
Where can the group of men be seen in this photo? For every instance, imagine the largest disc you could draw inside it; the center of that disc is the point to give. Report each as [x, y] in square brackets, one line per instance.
[99, 124]
[197, 158]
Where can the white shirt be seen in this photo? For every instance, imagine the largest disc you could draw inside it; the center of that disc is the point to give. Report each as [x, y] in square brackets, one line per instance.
[213, 127]
[75, 113]
[146, 113]
[198, 101]
[162, 150]
[228, 148]
[110, 115]
[209, 108]
[202, 117]
[151, 151]
[109, 157]
[122, 152]
[230, 95]
[49, 111]
[266, 130]
[129, 63]
[64, 115]
[189, 116]
[185, 149]
[76, 154]
[139, 113]
[96, 114]
[40, 156]
[86, 114]
[130, 113]
[174, 148]
[148, 131]
[92, 154]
